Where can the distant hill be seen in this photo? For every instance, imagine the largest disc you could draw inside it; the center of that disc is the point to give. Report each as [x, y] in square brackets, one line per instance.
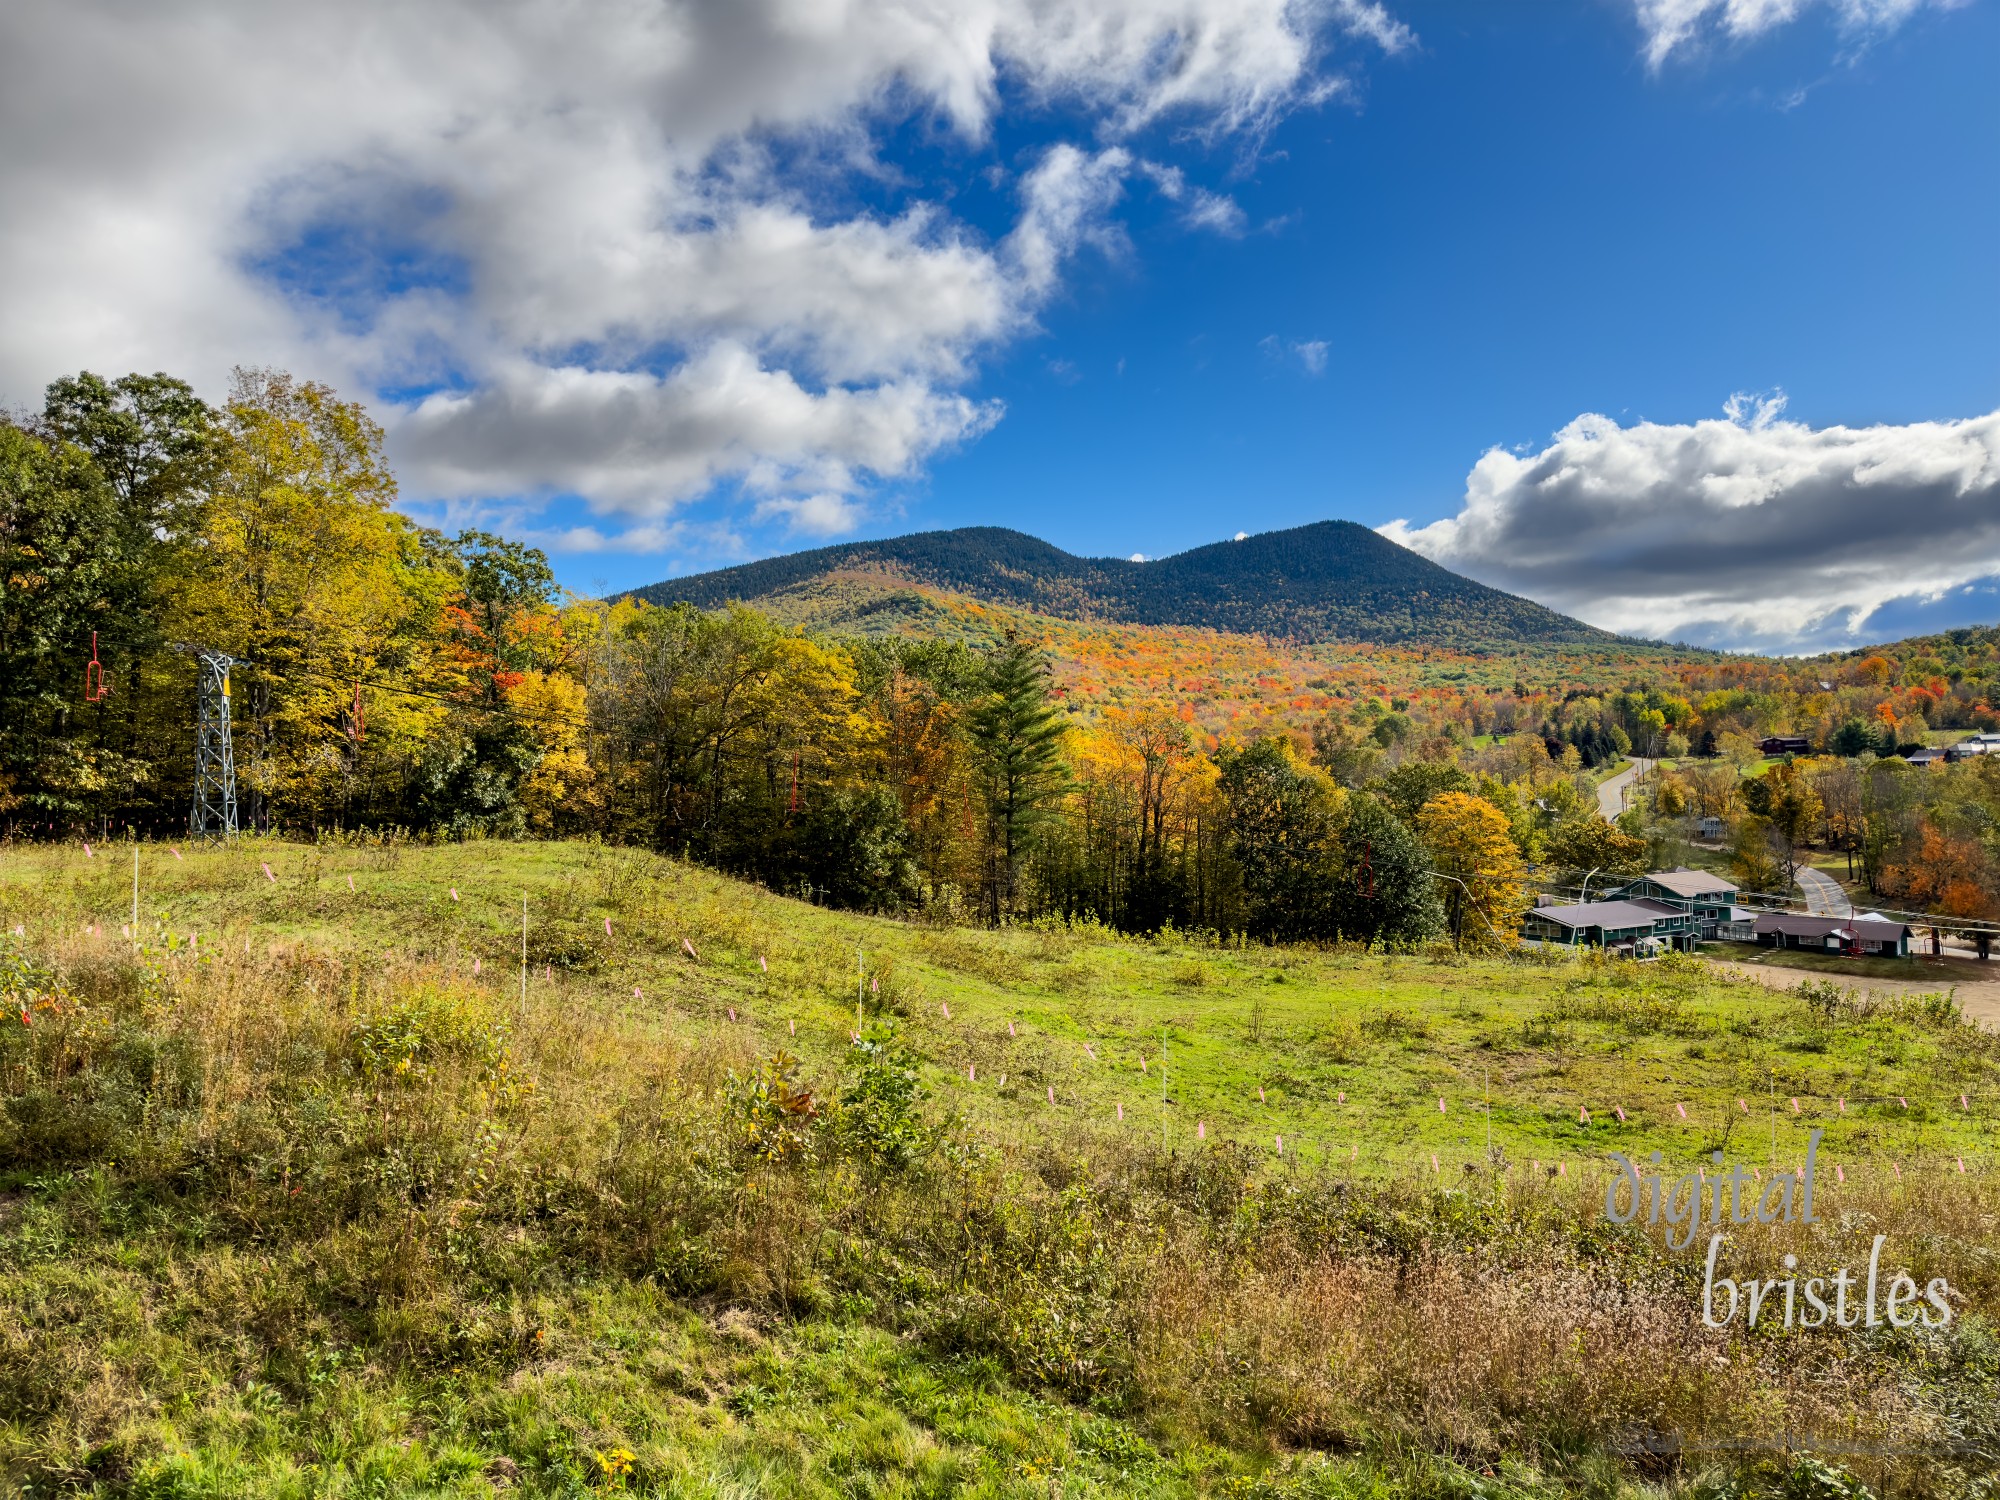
[1332, 580]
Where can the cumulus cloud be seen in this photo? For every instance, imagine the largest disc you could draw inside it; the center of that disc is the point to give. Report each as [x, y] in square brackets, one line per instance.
[1676, 25]
[1748, 530]
[616, 239]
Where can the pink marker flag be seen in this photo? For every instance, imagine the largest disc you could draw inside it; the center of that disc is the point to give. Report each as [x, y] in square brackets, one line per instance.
[1281, 1145]
[1121, 1111]
[549, 973]
[1899, 1170]
[1441, 1109]
[1142, 1065]
[688, 949]
[1756, 1175]
[1902, 1101]
[1052, 1093]
[1843, 1106]
[274, 879]
[1838, 1175]
[1619, 1110]
[1010, 1028]
[86, 852]
[1961, 1164]
[177, 854]
[762, 965]
[1742, 1106]
[1341, 1097]
[854, 1037]
[1003, 1080]
[972, 1072]
[1354, 1153]
[1434, 1162]
[793, 1026]
[875, 984]
[1682, 1110]
[454, 889]
[1582, 1116]
[732, 1012]
[350, 885]
[1201, 1130]
[946, 1008]
[1795, 1106]
[475, 966]
[1962, 1102]
[1260, 1094]
[607, 927]
[1090, 1051]
[635, 992]
[124, 930]
[1562, 1169]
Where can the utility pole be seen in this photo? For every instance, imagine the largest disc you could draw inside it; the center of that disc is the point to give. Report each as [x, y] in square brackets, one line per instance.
[214, 815]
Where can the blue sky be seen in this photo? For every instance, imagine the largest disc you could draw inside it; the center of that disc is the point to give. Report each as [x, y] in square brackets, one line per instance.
[687, 287]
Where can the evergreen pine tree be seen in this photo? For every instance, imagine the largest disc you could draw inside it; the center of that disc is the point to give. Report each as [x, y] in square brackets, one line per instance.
[1016, 733]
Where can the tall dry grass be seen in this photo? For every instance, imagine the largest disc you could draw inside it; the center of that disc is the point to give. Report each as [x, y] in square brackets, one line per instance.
[229, 1163]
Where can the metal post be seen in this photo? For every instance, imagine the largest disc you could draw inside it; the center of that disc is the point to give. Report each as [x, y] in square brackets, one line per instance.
[214, 814]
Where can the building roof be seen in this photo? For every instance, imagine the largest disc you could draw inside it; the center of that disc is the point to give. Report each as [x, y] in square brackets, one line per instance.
[1685, 882]
[1796, 924]
[1640, 912]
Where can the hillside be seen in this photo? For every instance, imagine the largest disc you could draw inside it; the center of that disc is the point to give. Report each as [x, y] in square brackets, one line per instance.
[302, 1192]
[1330, 581]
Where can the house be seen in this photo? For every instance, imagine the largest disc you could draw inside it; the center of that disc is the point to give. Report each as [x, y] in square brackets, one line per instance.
[1864, 934]
[1965, 749]
[1784, 744]
[1708, 827]
[1638, 928]
[1740, 927]
[1709, 899]
[1928, 759]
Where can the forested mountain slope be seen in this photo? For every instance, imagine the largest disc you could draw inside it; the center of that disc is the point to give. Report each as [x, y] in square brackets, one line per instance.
[1332, 580]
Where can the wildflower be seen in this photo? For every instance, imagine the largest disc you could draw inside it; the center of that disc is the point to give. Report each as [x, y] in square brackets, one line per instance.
[614, 1463]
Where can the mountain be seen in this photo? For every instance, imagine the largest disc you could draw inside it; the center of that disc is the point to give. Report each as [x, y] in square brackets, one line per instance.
[1332, 580]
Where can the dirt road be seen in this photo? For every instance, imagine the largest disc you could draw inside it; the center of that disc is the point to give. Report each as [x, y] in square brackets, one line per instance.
[1977, 994]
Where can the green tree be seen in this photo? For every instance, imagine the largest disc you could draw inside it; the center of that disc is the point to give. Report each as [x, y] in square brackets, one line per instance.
[1407, 788]
[1282, 819]
[1016, 735]
[1384, 888]
[57, 516]
[1587, 842]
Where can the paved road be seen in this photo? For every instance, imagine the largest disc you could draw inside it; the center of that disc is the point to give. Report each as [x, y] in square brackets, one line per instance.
[1824, 897]
[1611, 795]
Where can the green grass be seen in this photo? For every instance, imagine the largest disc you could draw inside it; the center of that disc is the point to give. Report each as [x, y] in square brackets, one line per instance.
[309, 1207]
[1394, 1034]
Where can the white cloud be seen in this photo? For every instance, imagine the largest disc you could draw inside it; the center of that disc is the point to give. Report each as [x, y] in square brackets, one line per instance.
[1310, 353]
[1677, 25]
[569, 215]
[823, 514]
[1214, 211]
[1750, 531]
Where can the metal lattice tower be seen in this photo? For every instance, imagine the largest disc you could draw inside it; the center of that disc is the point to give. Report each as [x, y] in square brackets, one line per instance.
[214, 761]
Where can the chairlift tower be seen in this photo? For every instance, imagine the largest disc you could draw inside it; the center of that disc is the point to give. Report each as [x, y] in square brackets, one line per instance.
[214, 815]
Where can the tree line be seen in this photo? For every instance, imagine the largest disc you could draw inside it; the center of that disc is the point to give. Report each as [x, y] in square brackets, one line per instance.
[391, 676]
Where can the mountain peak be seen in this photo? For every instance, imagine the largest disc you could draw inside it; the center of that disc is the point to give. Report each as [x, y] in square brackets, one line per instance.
[1330, 580]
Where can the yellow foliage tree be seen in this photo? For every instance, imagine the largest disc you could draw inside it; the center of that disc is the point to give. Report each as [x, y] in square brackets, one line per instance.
[1484, 886]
